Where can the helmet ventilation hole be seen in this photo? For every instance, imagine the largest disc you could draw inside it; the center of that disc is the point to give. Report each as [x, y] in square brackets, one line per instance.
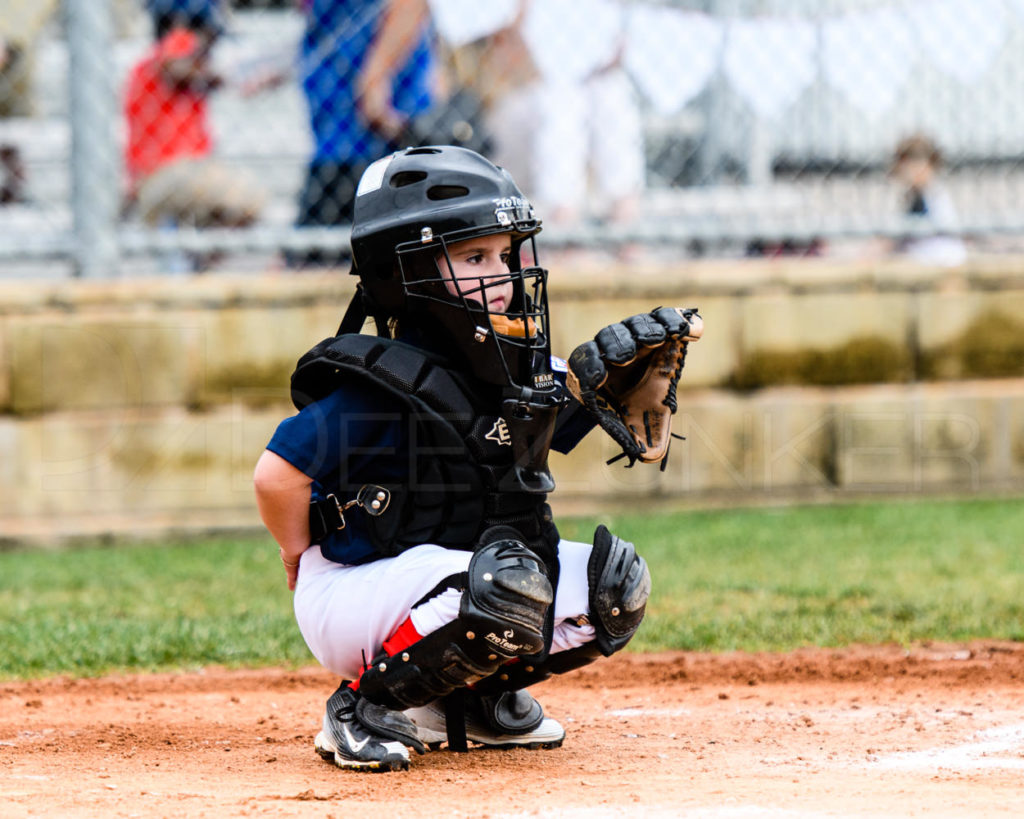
[439, 192]
[400, 180]
[415, 151]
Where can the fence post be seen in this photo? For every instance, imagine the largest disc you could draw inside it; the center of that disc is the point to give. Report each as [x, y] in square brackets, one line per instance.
[95, 170]
[709, 155]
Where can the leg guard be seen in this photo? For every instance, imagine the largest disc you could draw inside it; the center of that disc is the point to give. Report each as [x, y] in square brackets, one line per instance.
[511, 712]
[509, 720]
[619, 585]
[501, 617]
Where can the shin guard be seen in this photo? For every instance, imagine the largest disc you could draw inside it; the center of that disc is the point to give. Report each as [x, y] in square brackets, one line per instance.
[501, 617]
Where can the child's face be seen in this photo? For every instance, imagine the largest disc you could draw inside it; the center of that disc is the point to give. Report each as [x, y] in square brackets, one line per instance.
[480, 263]
[915, 171]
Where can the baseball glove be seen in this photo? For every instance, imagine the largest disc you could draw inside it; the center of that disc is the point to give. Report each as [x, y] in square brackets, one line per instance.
[627, 376]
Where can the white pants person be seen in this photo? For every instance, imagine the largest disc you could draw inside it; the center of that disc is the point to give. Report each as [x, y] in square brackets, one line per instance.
[345, 613]
[562, 139]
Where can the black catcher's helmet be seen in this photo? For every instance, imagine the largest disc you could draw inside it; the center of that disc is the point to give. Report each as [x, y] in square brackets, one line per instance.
[410, 207]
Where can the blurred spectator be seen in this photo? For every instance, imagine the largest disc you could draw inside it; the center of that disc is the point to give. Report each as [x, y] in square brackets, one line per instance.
[587, 143]
[777, 249]
[916, 165]
[366, 68]
[12, 181]
[196, 15]
[173, 177]
[21, 23]
[572, 139]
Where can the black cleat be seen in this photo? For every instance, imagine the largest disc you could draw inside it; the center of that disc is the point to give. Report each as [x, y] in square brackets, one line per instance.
[510, 720]
[358, 735]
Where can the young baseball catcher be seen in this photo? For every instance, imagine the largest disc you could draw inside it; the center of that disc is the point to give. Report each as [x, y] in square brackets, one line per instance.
[408, 493]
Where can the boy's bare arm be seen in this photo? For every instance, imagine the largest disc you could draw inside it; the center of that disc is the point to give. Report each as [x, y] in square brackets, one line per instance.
[397, 34]
[282, 495]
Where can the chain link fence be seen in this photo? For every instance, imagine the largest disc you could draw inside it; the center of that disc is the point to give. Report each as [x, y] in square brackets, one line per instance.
[177, 136]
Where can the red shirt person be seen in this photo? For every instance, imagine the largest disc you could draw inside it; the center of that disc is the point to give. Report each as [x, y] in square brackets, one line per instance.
[173, 176]
[165, 103]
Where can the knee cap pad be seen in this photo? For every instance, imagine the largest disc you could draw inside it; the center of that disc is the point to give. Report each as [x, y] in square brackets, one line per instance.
[501, 616]
[508, 597]
[620, 584]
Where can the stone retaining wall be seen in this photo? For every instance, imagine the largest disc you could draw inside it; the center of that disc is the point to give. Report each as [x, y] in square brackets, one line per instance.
[143, 405]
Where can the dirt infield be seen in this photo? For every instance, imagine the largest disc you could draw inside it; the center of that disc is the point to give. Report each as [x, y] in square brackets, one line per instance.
[937, 731]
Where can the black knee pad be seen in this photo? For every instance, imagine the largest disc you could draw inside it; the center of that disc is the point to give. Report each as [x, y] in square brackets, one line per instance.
[501, 616]
[620, 584]
[508, 597]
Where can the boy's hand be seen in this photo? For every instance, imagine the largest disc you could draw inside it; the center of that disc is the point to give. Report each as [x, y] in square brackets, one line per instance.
[626, 377]
[291, 568]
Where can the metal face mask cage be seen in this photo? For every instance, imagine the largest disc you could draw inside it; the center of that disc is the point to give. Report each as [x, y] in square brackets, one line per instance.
[510, 349]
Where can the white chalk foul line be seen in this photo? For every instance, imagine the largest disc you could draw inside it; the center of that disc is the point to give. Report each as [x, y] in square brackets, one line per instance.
[650, 812]
[1001, 747]
[649, 712]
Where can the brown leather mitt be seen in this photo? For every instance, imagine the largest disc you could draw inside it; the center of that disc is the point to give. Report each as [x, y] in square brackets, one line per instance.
[627, 376]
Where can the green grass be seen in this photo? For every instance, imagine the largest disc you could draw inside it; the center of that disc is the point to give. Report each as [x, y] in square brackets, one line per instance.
[777, 579]
[766, 579]
[89, 610]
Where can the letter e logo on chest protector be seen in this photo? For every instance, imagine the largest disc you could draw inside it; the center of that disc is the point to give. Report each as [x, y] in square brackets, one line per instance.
[499, 433]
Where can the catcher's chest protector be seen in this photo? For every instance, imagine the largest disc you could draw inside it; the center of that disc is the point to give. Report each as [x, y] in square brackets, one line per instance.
[460, 478]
